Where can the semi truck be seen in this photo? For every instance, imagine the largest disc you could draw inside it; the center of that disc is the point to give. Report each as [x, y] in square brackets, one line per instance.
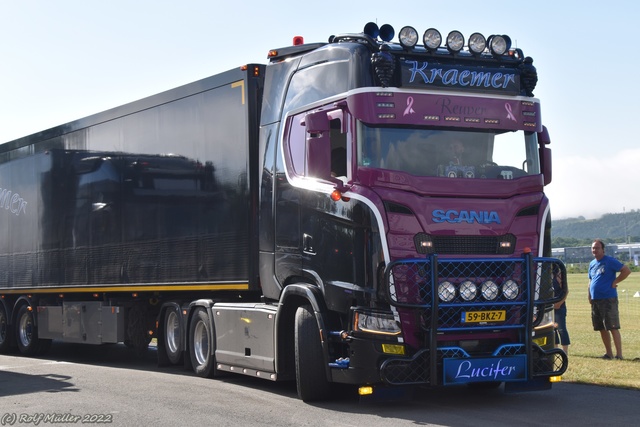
[360, 212]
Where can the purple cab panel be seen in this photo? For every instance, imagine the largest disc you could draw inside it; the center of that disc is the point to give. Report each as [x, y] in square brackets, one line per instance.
[440, 109]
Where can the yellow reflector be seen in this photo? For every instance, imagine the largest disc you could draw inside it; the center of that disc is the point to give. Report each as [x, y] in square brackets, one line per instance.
[555, 379]
[392, 348]
[542, 341]
[365, 390]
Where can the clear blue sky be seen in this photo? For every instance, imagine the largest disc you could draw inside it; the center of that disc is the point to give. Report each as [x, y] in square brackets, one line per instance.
[65, 59]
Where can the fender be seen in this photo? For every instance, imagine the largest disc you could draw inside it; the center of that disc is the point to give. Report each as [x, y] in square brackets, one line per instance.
[23, 300]
[292, 297]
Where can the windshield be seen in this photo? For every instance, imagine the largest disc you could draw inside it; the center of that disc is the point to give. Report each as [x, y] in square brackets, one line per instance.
[449, 153]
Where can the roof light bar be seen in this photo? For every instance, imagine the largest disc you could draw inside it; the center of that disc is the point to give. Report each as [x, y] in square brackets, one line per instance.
[478, 44]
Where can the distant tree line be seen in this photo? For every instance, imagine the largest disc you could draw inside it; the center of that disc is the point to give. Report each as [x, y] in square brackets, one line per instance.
[611, 228]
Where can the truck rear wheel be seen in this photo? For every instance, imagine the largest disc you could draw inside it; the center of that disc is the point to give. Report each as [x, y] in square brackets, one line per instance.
[172, 335]
[311, 377]
[200, 344]
[27, 334]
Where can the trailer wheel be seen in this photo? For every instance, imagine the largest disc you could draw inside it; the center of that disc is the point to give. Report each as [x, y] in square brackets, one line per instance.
[200, 348]
[172, 336]
[27, 334]
[5, 333]
[311, 377]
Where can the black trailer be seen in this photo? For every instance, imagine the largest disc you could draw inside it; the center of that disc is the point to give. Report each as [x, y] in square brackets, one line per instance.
[151, 201]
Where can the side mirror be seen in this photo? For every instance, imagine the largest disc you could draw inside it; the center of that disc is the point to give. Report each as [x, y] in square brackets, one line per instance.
[318, 141]
[543, 137]
[545, 158]
[545, 154]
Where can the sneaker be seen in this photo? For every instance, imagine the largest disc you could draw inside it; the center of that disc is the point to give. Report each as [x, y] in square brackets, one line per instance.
[619, 357]
[606, 357]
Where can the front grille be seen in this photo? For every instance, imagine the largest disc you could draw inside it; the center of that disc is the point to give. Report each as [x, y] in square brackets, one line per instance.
[465, 245]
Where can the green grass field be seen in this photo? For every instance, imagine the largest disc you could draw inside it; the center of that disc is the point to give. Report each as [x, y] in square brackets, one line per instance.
[585, 365]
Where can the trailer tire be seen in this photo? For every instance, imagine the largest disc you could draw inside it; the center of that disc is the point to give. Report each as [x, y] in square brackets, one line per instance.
[200, 351]
[5, 331]
[27, 334]
[173, 336]
[311, 377]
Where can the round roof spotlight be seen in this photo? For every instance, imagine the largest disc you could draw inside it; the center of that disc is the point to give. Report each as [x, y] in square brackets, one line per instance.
[446, 291]
[499, 45]
[489, 290]
[387, 32]
[510, 289]
[432, 39]
[477, 43]
[468, 290]
[455, 41]
[408, 37]
[372, 30]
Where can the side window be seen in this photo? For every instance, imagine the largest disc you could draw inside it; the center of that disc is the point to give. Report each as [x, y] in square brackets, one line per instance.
[296, 148]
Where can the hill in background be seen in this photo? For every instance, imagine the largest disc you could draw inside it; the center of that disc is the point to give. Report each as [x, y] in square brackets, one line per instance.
[612, 228]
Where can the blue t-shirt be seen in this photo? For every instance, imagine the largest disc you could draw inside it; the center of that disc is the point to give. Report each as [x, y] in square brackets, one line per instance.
[602, 274]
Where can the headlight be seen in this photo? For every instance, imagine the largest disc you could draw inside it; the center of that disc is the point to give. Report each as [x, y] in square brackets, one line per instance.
[477, 43]
[489, 290]
[547, 320]
[408, 36]
[499, 45]
[455, 41]
[432, 39]
[468, 290]
[446, 291]
[510, 289]
[376, 323]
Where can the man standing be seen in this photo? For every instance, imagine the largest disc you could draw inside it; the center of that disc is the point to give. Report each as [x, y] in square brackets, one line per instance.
[603, 297]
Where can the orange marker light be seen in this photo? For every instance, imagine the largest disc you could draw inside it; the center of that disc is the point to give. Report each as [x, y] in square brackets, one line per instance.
[336, 195]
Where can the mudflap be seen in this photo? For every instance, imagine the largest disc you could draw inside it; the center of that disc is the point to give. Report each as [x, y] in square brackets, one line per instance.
[388, 394]
[535, 384]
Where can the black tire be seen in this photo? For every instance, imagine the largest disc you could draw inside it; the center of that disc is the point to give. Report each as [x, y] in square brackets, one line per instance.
[5, 331]
[27, 334]
[311, 376]
[173, 335]
[137, 336]
[201, 351]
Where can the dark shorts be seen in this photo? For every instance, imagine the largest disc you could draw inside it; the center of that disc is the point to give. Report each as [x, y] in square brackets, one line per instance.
[604, 314]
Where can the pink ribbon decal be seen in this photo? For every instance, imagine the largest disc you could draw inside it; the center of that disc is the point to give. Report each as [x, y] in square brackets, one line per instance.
[510, 115]
[409, 110]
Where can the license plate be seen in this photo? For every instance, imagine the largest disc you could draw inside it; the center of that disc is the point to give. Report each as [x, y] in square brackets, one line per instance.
[484, 316]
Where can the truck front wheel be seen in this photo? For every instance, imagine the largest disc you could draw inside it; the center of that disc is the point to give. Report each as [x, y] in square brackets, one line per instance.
[200, 342]
[311, 377]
